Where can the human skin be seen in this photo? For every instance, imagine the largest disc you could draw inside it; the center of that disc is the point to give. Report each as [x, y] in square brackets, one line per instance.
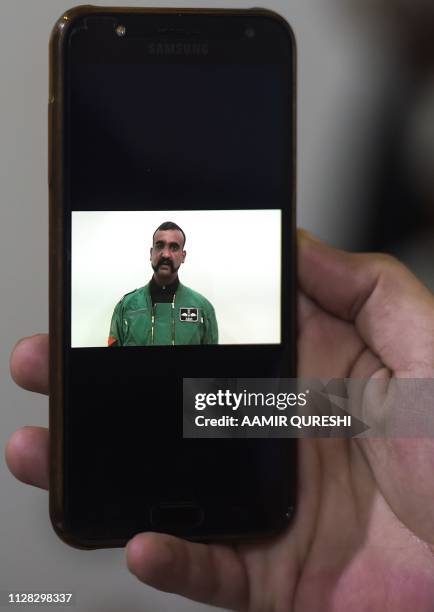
[167, 247]
[363, 535]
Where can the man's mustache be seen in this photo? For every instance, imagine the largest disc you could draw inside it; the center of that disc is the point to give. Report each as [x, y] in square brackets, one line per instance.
[168, 262]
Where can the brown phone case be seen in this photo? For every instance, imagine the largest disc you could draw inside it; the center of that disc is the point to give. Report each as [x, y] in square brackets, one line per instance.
[56, 241]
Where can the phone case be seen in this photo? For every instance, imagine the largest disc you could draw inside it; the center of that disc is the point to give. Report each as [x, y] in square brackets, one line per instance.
[56, 238]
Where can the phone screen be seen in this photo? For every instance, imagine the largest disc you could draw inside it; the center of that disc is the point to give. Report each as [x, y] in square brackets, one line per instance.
[177, 216]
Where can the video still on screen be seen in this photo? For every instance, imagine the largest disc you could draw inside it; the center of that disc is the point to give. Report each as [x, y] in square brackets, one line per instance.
[168, 278]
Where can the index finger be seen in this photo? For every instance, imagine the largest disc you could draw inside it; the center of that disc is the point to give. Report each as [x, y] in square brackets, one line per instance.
[390, 308]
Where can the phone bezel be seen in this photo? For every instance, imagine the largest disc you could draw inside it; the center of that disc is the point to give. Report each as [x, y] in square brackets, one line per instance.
[58, 240]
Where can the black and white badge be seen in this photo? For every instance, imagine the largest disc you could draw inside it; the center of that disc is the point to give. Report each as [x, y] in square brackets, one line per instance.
[191, 315]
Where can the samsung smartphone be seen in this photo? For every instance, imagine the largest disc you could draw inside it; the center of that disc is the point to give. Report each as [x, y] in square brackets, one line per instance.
[171, 157]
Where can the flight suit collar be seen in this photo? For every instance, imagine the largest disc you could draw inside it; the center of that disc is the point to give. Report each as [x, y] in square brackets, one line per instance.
[160, 294]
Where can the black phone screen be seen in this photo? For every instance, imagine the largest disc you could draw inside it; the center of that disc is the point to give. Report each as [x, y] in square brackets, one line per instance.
[184, 120]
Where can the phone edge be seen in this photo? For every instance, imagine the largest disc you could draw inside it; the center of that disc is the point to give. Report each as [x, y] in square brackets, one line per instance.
[56, 249]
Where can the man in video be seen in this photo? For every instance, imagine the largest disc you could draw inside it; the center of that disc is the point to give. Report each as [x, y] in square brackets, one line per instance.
[164, 312]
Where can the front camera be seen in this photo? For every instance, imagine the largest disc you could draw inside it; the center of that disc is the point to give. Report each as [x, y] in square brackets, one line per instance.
[121, 30]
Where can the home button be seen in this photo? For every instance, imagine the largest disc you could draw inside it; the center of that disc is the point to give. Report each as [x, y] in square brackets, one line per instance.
[182, 515]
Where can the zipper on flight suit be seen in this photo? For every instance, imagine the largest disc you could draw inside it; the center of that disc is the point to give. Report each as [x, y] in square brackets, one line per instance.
[173, 322]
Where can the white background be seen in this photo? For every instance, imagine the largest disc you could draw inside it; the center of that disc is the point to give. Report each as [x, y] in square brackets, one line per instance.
[233, 259]
[343, 73]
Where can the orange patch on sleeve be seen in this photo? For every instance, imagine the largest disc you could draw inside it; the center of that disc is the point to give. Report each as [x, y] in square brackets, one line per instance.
[112, 341]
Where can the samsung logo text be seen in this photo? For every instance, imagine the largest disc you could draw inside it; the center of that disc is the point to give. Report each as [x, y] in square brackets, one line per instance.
[165, 48]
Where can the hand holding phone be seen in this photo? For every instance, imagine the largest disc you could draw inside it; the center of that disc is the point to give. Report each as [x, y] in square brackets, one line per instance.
[346, 503]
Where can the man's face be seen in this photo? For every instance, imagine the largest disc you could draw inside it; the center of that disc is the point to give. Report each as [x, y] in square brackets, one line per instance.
[167, 254]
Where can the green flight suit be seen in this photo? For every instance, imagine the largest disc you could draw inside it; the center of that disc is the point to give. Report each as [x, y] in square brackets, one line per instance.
[189, 319]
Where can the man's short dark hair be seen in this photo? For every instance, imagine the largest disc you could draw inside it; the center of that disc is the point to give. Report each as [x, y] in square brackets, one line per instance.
[168, 225]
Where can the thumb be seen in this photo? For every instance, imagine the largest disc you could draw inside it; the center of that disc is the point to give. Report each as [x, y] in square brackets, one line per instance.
[210, 573]
[391, 310]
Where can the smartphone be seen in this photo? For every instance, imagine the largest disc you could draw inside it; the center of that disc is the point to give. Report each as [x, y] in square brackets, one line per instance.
[172, 257]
